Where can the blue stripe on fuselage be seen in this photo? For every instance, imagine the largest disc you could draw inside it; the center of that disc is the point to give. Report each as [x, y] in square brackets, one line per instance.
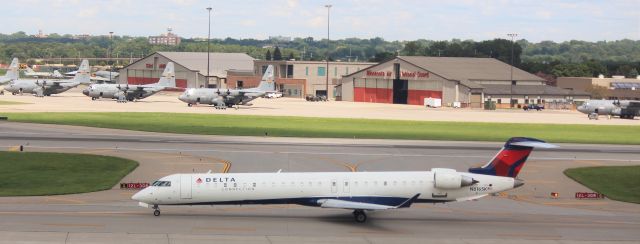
[313, 201]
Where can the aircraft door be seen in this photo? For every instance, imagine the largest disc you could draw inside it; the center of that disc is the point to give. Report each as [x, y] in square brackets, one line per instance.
[345, 186]
[334, 186]
[185, 186]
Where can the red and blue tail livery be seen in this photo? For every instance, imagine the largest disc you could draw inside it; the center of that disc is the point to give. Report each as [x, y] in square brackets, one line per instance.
[509, 161]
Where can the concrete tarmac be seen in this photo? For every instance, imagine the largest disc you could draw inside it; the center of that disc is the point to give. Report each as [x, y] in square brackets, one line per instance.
[525, 215]
[74, 101]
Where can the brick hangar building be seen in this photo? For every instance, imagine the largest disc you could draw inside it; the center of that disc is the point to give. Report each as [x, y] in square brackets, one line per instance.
[469, 81]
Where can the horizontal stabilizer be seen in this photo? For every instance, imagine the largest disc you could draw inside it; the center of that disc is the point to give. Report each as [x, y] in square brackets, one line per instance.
[534, 144]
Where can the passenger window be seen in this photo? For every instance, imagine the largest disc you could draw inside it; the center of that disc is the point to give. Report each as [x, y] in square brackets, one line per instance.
[254, 184]
[385, 183]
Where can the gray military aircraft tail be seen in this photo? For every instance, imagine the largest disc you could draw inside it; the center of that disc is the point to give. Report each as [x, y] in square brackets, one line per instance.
[12, 72]
[223, 98]
[624, 109]
[126, 92]
[43, 87]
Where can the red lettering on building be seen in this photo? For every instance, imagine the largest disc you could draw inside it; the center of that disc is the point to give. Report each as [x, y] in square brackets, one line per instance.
[149, 66]
[414, 74]
[375, 73]
[162, 66]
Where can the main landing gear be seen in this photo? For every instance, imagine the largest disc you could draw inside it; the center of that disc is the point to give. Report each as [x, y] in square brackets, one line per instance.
[156, 211]
[359, 216]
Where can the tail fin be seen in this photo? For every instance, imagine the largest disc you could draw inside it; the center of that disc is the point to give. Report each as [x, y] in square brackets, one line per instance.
[56, 74]
[12, 72]
[82, 76]
[268, 80]
[168, 78]
[509, 161]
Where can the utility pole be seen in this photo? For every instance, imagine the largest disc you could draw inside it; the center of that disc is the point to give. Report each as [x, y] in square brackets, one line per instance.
[109, 54]
[513, 36]
[328, 6]
[209, 44]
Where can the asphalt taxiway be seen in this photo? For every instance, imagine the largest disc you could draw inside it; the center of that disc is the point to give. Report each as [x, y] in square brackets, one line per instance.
[527, 214]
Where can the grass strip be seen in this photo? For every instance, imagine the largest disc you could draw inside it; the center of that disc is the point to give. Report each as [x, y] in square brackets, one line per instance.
[621, 183]
[39, 173]
[281, 126]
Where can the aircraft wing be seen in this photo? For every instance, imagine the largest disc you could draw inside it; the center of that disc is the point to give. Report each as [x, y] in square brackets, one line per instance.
[347, 204]
[99, 78]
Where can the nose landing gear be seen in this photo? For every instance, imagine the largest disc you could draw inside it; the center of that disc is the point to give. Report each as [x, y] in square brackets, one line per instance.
[156, 211]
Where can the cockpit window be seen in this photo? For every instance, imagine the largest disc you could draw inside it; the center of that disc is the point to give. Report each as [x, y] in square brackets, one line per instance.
[161, 183]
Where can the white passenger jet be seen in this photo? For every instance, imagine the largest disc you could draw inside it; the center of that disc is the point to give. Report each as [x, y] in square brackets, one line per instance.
[357, 191]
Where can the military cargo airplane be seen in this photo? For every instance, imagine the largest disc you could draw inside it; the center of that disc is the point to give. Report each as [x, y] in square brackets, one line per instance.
[42, 87]
[29, 72]
[12, 72]
[221, 99]
[624, 109]
[126, 92]
[100, 76]
[357, 191]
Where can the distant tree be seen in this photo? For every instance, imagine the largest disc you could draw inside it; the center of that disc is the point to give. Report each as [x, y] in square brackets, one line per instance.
[382, 56]
[633, 73]
[412, 48]
[268, 55]
[571, 70]
[549, 79]
[290, 56]
[624, 70]
[277, 55]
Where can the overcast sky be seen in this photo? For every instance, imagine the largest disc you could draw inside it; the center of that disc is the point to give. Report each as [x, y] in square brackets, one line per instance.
[534, 20]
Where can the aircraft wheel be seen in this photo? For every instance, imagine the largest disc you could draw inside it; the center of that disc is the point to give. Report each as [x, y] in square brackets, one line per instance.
[189, 104]
[593, 116]
[13, 93]
[359, 216]
[93, 98]
[156, 212]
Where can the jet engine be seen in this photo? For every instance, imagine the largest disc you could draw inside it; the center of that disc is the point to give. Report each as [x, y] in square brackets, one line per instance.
[450, 179]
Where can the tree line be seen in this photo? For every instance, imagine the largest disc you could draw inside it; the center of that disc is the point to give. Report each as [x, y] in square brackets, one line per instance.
[547, 59]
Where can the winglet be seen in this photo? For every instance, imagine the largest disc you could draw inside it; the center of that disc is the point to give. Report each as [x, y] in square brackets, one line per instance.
[408, 202]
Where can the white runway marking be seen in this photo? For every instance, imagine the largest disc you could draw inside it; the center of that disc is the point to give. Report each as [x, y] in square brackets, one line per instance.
[321, 153]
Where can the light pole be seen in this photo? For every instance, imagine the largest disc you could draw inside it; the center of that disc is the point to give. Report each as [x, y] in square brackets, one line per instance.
[328, 6]
[109, 54]
[513, 36]
[208, 44]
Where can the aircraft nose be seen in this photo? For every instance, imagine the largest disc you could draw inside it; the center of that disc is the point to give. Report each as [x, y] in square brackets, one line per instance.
[182, 97]
[85, 92]
[140, 196]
